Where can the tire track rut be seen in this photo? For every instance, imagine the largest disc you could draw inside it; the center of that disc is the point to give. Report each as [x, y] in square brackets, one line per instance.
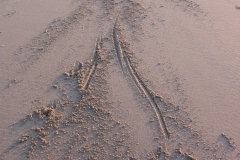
[94, 64]
[117, 46]
[139, 83]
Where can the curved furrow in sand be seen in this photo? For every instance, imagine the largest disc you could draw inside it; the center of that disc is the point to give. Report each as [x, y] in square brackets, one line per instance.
[117, 46]
[141, 86]
[94, 64]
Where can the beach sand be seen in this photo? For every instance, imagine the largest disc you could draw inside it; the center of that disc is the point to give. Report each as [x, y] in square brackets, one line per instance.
[119, 79]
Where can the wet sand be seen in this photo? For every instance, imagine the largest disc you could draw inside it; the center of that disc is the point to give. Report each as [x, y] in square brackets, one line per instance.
[119, 79]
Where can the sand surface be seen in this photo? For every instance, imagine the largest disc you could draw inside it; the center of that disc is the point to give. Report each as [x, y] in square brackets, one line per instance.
[119, 79]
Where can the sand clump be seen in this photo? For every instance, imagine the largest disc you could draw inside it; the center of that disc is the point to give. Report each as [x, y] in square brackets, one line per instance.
[84, 129]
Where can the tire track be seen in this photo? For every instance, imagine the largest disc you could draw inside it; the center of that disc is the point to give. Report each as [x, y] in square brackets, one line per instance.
[117, 46]
[140, 84]
[94, 64]
[83, 129]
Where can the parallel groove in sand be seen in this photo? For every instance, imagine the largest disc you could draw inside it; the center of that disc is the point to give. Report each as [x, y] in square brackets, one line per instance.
[139, 83]
[117, 46]
[98, 46]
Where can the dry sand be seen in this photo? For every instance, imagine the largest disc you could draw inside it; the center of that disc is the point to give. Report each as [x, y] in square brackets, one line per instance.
[161, 81]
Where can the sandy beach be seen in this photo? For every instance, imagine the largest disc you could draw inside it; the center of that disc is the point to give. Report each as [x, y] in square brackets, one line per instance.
[119, 79]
